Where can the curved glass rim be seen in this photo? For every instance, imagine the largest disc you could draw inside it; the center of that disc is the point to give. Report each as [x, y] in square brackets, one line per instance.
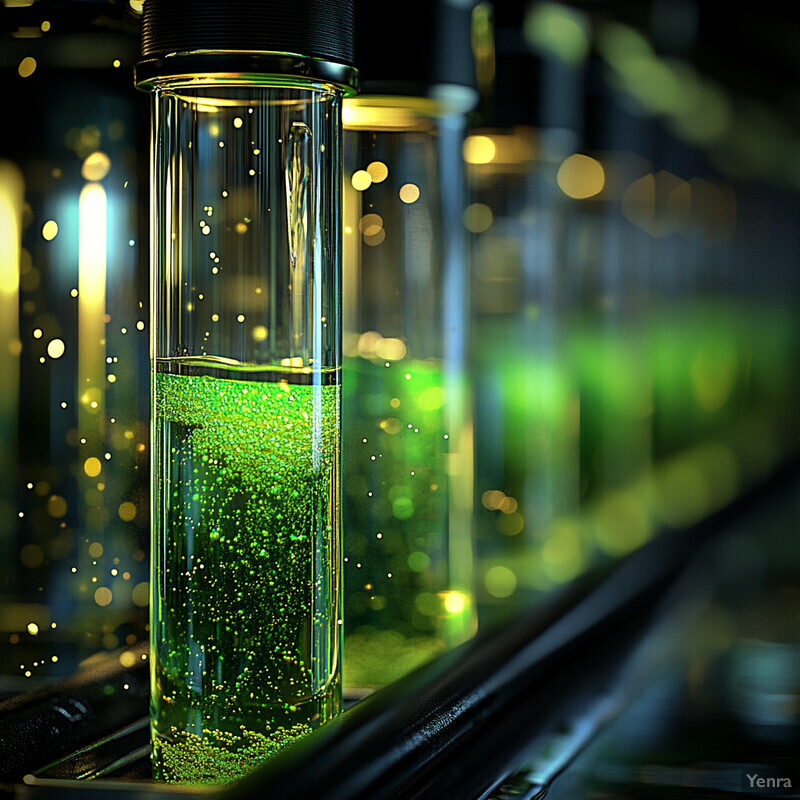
[244, 68]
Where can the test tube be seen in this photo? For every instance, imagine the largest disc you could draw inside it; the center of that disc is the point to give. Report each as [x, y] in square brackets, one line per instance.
[407, 423]
[246, 244]
[525, 305]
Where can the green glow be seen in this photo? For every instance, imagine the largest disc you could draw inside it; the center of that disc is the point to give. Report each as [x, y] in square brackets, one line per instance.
[622, 522]
[679, 410]
[618, 43]
[500, 581]
[382, 656]
[563, 551]
[398, 462]
[245, 614]
[558, 29]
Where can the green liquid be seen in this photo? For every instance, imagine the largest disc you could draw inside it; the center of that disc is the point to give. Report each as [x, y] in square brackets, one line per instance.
[246, 560]
[402, 604]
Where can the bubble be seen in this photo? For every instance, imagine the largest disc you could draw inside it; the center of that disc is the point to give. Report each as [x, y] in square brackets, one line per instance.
[409, 193]
[103, 596]
[370, 224]
[361, 180]
[92, 467]
[56, 506]
[378, 171]
[27, 67]
[477, 217]
[141, 594]
[127, 659]
[56, 348]
[96, 166]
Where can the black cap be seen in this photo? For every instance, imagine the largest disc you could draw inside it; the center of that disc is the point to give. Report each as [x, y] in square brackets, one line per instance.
[409, 47]
[306, 38]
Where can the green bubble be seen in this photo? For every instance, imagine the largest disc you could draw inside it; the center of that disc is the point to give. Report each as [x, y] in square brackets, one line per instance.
[418, 561]
[403, 508]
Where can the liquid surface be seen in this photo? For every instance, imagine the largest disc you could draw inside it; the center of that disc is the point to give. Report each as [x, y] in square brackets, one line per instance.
[246, 594]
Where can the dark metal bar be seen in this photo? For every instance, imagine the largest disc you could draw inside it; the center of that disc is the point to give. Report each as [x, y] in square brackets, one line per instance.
[40, 727]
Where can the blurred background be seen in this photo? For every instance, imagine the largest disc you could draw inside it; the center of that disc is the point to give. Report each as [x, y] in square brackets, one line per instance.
[587, 314]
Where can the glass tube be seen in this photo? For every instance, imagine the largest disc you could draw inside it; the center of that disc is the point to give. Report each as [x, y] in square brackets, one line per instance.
[407, 433]
[246, 406]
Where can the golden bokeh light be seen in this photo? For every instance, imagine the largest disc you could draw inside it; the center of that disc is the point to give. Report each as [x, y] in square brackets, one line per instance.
[375, 239]
[378, 171]
[409, 193]
[370, 224]
[50, 230]
[127, 659]
[92, 467]
[56, 348]
[56, 506]
[103, 596]
[581, 176]
[27, 67]
[361, 180]
[479, 149]
[95, 166]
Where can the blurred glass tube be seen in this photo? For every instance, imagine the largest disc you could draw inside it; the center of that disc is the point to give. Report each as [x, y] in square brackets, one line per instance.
[616, 290]
[407, 426]
[525, 303]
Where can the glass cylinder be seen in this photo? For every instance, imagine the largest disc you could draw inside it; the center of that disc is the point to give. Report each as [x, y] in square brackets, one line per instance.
[246, 551]
[407, 432]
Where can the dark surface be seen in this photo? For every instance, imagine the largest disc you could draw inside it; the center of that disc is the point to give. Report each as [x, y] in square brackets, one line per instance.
[723, 701]
[412, 46]
[43, 726]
